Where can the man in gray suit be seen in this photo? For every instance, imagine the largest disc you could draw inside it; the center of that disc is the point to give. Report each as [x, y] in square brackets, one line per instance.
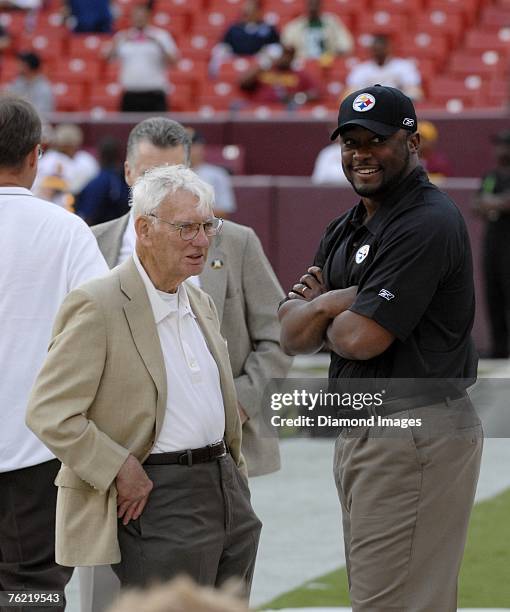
[241, 282]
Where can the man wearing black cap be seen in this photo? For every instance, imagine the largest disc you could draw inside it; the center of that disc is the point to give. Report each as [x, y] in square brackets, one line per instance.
[31, 84]
[493, 203]
[391, 296]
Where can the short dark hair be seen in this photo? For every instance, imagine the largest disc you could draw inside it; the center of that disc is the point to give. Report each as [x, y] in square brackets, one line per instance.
[20, 130]
[160, 132]
[32, 60]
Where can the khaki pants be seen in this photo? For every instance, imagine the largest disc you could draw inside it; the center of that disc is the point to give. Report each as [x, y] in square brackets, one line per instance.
[406, 497]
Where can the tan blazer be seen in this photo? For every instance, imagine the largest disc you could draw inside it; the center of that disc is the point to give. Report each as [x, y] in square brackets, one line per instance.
[101, 395]
[246, 293]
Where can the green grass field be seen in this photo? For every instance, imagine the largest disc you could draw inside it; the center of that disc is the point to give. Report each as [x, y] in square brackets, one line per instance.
[485, 574]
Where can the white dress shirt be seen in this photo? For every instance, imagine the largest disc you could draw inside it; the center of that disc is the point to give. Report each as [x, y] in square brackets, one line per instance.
[44, 252]
[195, 415]
[128, 240]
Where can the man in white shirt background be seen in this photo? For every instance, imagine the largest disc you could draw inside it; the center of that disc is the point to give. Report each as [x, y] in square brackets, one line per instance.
[45, 252]
[215, 175]
[385, 69]
[144, 52]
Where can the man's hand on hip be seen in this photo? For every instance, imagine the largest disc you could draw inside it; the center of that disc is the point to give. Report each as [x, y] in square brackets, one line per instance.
[133, 488]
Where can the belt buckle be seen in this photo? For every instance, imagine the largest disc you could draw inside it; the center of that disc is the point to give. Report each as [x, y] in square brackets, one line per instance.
[216, 444]
[186, 458]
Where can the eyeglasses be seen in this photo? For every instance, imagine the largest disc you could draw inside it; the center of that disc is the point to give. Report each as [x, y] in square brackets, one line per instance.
[188, 231]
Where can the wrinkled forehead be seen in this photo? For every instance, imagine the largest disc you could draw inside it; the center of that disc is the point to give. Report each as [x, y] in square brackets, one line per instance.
[186, 205]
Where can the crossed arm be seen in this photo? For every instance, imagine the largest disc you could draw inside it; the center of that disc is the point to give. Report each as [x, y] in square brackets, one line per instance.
[315, 318]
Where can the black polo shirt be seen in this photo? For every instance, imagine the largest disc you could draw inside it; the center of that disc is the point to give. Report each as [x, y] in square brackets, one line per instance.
[412, 264]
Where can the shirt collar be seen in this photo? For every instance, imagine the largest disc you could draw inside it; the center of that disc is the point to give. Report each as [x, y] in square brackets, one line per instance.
[5, 190]
[397, 199]
[161, 308]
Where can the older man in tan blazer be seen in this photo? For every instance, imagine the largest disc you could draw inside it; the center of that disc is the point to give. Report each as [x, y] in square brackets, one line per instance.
[136, 398]
[238, 277]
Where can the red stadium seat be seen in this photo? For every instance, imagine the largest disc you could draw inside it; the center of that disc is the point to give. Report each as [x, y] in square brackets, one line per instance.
[105, 96]
[231, 71]
[221, 95]
[14, 22]
[181, 97]
[197, 69]
[198, 47]
[486, 64]
[69, 97]
[496, 17]
[212, 24]
[78, 70]
[48, 47]
[89, 46]
[444, 89]
[177, 25]
[424, 46]
[8, 69]
[382, 22]
[401, 7]
[483, 40]
[498, 92]
[466, 8]
[439, 22]
[180, 7]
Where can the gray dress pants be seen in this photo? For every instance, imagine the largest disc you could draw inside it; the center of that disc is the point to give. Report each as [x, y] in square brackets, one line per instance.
[198, 521]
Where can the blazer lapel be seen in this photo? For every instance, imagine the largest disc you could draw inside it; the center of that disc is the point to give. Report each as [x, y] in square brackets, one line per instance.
[214, 278]
[145, 334]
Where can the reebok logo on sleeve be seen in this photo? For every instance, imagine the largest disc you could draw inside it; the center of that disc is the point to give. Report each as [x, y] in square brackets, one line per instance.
[387, 295]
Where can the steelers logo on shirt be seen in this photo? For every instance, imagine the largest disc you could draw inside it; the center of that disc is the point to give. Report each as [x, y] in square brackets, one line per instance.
[362, 253]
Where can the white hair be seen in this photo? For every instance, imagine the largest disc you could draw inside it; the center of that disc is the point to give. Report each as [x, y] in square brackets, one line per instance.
[157, 184]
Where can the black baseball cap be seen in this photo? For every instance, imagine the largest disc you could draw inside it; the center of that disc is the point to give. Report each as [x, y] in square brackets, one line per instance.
[382, 110]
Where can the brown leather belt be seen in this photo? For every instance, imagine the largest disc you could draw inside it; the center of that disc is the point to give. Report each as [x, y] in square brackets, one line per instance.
[211, 452]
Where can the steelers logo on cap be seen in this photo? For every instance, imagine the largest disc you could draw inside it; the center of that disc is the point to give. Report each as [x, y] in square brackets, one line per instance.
[364, 102]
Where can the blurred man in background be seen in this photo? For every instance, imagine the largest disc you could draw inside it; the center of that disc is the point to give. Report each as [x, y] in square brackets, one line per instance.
[106, 196]
[280, 83]
[250, 36]
[385, 69]
[31, 83]
[216, 176]
[435, 162]
[317, 35]
[65, 168]
[493, 204]
[144, 53]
